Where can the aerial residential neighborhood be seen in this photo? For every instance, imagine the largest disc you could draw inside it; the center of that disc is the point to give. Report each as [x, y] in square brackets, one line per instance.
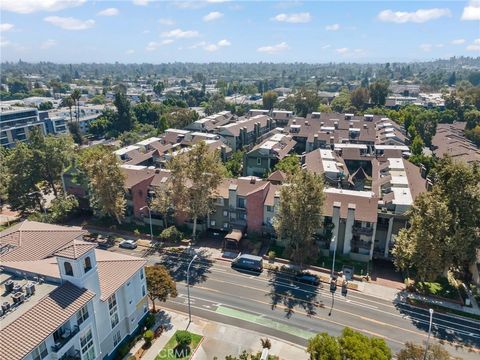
[239, 180]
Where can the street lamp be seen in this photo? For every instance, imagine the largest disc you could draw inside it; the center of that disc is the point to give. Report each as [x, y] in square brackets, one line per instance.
[334, 252]
[150, 216]
[188, 289]
[429, 332]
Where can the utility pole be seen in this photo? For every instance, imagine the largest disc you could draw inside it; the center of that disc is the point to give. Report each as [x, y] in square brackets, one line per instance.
[334, 252]
[429, 332]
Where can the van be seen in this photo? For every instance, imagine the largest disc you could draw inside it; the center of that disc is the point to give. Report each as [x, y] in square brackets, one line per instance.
[248, 262]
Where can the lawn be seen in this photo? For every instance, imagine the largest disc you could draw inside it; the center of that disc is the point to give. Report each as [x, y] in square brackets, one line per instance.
[360, 268]
[168, 352]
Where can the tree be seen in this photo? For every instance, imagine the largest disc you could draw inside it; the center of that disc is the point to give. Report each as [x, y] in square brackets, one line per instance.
[342, 102]
[171, 234]
[129, 138]
[162, 202]
[183, 338]
[269, 98]
[124, 119]
[50, 155]
[106, 181]
[160, 284]
[379, 92]
[4, 177]
[76, 132]
[323, 347]
[61, 208]
[23, 178]
[413, 351]
[306, 101]
[425, 126]
[47, 105]
[76, 95]
[299, 215]
[179, 118]
[234, 165]
[98, 99]
[195, 176]
[289, 164]
[158, 88]
[444, 223]
[68, 102]
[359, 98]
[356, 346]
[417, 146]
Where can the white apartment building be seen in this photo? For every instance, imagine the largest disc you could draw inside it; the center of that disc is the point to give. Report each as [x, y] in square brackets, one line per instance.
[66, 299]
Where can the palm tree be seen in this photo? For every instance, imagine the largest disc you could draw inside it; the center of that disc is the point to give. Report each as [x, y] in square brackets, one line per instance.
[76, 95]
[68, 102]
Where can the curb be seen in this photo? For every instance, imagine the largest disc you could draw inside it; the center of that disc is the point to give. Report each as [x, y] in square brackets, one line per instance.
[192, 355]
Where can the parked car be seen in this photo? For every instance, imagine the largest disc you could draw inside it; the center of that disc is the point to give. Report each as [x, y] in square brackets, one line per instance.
[128, 244]
[307, 278]
[248, 262]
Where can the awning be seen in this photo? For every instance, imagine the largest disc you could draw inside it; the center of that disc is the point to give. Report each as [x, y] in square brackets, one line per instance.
[234, 235]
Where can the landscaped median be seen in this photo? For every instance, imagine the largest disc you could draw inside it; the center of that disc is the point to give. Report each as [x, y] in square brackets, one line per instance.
[181, 346]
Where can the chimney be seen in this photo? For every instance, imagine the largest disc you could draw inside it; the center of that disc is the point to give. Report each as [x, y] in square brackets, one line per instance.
[364, 126]
[253, 180]
[306, 122]
[335, 125]
[294, 121]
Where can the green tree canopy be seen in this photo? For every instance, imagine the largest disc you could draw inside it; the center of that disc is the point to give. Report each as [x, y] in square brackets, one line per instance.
[195, 176]
[289, 164]
[324, 347]
[106, 181]
[160, 284]
[299, 215]
[269, 99]
[379, 92]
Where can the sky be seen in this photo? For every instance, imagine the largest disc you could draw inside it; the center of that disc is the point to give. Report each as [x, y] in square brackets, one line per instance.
[149, 31]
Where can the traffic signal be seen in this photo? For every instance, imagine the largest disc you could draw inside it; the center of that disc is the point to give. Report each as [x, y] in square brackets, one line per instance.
[344, 288]
[333, 286]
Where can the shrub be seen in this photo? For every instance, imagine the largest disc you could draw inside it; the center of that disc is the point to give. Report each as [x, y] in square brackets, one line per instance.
[266, 343]
[148, 336]
[271, 255]
[136, 232]
[171, 234]
[123, 350]
[183, 338]
[149, 321]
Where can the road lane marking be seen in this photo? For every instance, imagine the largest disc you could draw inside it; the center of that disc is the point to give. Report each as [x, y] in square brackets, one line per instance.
[338, 310]
[262, 320]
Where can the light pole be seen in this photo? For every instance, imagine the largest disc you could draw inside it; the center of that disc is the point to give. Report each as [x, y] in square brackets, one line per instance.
[188, 289]
[334, 252]
[150, 216]
[429, 332]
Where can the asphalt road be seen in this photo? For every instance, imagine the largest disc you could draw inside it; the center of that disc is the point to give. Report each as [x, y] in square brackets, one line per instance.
[276, 305]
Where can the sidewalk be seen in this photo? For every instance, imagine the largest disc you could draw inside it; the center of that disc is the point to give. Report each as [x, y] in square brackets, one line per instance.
[220, 340]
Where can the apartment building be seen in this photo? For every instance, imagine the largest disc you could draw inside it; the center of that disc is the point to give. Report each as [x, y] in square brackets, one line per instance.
[63, 298]
[245, 131]
[16, 123]
[449, 140]
[263, 157]
[210, 123]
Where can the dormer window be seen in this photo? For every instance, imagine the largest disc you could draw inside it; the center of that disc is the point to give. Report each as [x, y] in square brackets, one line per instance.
[68, 269]
[87, 264]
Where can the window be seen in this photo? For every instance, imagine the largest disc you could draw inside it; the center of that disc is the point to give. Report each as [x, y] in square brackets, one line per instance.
[112, 307]
[141, 274]
[244, 216]
[259, 161]
[225, 225]
[212, 222]
[269, 208]
[40, 352]
[68, 269]
[86, 344]
[82, 315]
[117, 338]
[241, 202]
[225, 213]
[143, 290]
[87, 264]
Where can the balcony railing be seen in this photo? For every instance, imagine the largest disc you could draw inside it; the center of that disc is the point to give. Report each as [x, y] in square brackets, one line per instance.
[64, 338]
[358, 230]
[72, 356]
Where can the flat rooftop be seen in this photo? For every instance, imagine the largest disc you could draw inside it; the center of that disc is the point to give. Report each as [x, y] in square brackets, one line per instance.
[41, 290]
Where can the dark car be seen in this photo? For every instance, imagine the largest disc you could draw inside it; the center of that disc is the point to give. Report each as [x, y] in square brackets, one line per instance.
[307, 278]
[248, 262]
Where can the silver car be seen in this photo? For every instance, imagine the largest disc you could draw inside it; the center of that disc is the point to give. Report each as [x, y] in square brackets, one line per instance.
[128, 244]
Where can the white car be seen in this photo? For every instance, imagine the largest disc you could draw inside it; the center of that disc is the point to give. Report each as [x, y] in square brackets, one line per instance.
[128, 244]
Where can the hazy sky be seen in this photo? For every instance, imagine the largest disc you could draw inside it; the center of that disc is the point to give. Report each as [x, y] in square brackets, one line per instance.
[239, 31]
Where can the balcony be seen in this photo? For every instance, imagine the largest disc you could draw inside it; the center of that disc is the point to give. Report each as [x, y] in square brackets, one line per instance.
[72, 355]
[64, 337]
[358, 230]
